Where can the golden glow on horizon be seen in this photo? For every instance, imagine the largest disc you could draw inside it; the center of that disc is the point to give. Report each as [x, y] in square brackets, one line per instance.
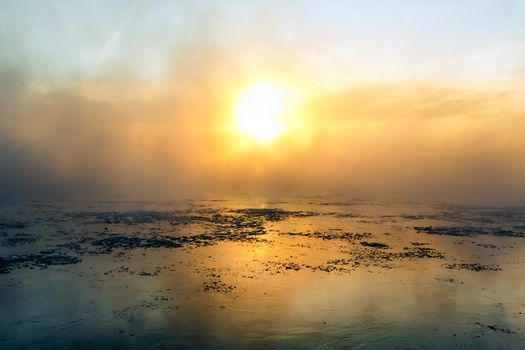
[259, 111]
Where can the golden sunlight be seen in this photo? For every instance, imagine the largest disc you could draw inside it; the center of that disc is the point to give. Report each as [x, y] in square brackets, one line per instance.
[259, 110]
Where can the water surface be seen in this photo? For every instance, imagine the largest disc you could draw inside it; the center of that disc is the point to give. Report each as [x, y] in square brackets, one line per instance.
[248, 272]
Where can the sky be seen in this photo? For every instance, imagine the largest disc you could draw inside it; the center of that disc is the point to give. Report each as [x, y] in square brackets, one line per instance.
[405, 98]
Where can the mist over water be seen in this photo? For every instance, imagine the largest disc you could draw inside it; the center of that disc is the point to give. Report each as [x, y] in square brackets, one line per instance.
[410, 141]
[126, 120]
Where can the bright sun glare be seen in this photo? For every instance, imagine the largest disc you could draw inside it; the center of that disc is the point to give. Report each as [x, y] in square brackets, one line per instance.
[259, 111]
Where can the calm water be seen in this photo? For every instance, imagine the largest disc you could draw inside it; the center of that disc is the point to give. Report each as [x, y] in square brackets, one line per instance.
[256, 273]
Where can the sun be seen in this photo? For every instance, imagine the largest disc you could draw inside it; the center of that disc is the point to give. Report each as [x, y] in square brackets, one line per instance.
[259, 111]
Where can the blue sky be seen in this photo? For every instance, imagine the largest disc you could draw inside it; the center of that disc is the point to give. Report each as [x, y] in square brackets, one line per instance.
[358, 40]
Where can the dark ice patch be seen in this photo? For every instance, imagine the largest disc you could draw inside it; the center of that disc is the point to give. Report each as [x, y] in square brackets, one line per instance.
[468, 231]
[273, 214]
[15, 241]
[472, 267]
[41, 260]
[421, 252]
[348, 236]
[136, 242]
[137, 217]
[375, 245]
[494, 328]
[12, 225]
